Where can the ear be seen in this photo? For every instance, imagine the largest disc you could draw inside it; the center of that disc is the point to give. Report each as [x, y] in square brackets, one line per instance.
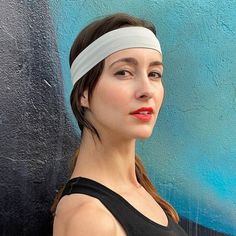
[84, 99]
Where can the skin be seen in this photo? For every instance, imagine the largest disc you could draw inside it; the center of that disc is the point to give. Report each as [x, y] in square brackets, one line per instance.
[131, 79]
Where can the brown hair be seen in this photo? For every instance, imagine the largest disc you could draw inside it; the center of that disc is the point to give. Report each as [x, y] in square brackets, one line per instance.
[89, 81]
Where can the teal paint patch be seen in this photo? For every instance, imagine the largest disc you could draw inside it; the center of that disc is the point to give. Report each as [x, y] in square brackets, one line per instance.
[191, 154]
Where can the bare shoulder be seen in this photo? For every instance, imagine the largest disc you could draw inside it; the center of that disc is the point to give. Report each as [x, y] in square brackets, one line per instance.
[81, 215]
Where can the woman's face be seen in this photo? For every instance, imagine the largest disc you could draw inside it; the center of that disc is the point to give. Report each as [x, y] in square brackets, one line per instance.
[131, 80]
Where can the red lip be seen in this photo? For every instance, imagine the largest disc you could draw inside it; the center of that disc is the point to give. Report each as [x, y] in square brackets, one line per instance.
[147, 116]
[142, 109]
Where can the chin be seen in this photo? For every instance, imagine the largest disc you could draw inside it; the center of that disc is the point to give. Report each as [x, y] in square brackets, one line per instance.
[139, 133]
[143, 135]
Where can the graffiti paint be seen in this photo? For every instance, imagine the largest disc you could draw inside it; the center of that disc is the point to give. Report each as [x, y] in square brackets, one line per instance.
[35, 134]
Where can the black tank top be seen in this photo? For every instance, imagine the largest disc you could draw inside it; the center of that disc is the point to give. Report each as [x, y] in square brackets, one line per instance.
[133, 222]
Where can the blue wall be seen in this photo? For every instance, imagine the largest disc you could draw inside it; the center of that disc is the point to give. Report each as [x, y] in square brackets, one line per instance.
[191, 156]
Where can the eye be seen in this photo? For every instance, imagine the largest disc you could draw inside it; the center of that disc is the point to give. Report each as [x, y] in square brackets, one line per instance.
[155, 75]
[123, 73]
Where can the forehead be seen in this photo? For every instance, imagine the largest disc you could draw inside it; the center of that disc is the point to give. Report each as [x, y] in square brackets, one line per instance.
[140, 54]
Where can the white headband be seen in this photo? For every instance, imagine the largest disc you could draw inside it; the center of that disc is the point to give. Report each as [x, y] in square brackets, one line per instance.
[113, 41]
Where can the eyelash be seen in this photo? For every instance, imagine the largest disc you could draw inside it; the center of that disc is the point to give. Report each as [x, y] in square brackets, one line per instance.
[159, 75]
[121, 73]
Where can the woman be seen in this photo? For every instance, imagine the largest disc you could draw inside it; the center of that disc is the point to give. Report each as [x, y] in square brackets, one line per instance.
[116, 65]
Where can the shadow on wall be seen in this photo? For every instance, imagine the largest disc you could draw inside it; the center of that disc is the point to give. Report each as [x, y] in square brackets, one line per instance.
[36, 138]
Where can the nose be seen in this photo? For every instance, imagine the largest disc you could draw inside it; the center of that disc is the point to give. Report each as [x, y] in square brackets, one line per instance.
[144, 88]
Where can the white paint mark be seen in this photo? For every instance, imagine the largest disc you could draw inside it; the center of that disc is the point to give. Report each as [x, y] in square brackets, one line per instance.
[47, 83]
[15, 160]
[4, 29]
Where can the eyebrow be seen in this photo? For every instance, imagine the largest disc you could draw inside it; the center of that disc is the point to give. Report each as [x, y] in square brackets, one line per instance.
[133, 61]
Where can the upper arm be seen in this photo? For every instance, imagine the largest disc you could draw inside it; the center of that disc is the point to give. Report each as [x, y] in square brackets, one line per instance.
[90, 222]
[85, 220]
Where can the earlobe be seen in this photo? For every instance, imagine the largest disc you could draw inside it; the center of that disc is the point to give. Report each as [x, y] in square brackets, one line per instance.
[84, 99]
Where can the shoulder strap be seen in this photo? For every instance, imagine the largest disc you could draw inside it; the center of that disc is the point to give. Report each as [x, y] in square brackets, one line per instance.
[133, 222]
[112, 201]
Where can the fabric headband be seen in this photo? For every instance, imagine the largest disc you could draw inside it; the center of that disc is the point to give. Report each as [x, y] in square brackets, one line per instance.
[113, 41]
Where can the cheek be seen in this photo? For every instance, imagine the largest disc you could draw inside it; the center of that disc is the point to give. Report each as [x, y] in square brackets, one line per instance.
[162, 94]
[159, 95]
[110, 96]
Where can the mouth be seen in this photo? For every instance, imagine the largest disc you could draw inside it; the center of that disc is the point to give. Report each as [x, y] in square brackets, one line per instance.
[144, 113]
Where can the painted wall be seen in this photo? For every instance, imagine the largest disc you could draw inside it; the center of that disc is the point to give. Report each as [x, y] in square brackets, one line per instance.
[191, 156]
[36, 138]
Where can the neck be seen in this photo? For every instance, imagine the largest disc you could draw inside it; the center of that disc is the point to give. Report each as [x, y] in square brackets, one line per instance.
[111, 161]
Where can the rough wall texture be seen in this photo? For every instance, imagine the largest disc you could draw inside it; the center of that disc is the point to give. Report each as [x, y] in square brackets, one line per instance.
[191, 156]
[34, 131]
